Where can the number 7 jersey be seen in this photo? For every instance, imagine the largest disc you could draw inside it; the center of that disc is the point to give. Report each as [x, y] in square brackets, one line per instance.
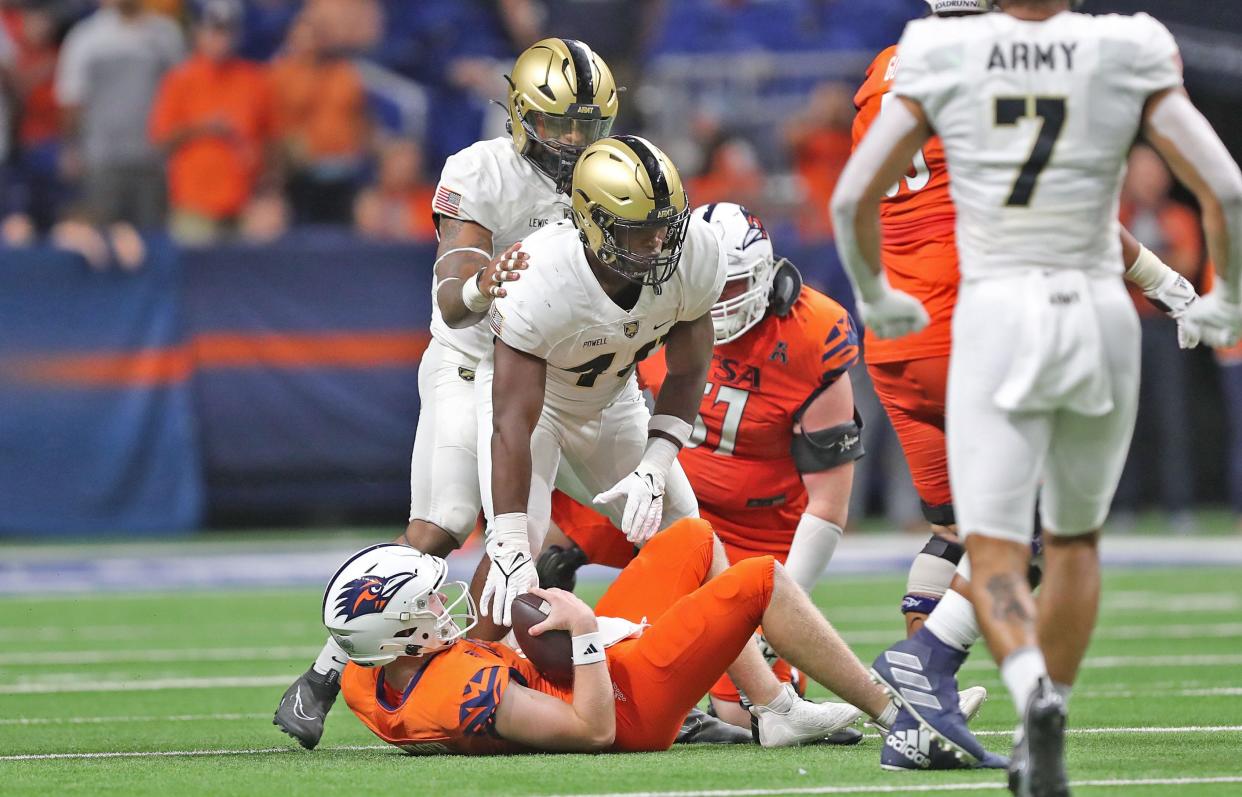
[1036, 119]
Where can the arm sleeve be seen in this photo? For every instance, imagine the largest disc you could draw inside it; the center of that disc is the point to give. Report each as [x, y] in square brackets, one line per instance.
[1157, 62]
[467, 184]
[927, 70]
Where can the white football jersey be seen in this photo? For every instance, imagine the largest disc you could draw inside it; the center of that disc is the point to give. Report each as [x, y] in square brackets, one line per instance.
[490, 184]
[559, 312]
[1037, 119]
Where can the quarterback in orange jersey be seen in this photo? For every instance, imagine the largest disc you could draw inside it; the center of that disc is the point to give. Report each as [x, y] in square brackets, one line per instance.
[680, 617]
[772, 452]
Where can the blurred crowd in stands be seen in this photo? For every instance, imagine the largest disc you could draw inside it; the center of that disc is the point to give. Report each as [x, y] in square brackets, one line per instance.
[224, 120]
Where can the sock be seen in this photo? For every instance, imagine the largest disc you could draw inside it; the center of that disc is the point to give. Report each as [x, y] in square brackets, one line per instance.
[888, 716]
[1021, 671]
[784, 700]
[331, 659]
[953, 621]
[1064, 690]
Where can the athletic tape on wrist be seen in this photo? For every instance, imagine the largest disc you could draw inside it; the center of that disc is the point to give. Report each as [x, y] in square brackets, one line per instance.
[1149, 272]
[588, 648]
[672, 426]
[474, 299]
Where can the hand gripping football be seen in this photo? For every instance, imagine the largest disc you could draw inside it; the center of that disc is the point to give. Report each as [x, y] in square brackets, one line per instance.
[552, 651]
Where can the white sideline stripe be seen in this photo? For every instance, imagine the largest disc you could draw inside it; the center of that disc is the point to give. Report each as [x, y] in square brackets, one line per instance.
[131, 656]
[145, 718]
[1133, 731]
[1114, 662]
[1123, 632]
[175, 753]
[906, 789]
[154, 685]
[1216, 691]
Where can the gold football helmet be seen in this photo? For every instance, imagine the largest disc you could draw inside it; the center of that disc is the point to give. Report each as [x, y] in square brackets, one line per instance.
[630, 208]
[562, 99]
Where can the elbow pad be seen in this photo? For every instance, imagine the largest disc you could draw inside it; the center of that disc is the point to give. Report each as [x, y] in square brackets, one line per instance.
[825, 449]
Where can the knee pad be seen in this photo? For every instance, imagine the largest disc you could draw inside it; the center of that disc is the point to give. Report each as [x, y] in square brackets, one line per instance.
[930, 575]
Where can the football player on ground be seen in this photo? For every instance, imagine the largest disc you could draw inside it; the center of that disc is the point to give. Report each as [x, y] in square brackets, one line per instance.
[684, 615]
[490, 195]
[919, 254]
[771, 458]
[1044, 367]
[631, 272]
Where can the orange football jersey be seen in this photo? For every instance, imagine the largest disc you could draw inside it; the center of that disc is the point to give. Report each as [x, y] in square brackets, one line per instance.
[919, 250]
[738, 459]
[435, 714]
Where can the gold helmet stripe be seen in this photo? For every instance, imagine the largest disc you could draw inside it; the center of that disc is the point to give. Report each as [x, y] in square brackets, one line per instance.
[585, 81]
[655, 170]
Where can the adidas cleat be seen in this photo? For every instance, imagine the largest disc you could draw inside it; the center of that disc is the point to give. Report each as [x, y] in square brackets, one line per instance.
[803, 722]
[699, 727]
[909, 746]
[919, 674]
[305, 705]
[1038, 766]
[558, 567]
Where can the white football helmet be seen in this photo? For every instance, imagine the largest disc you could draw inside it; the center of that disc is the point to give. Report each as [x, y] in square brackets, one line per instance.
[391, 600]
[750, 270]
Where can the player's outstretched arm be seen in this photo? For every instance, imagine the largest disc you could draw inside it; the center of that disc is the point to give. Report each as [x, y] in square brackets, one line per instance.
[688, 356]
[542, 721]
[517, 400]
[1200, 160]
[467, 276]
[880, 160]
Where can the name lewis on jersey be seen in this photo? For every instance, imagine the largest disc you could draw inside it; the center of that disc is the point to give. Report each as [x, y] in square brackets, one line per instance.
[1032, 57]
[726, 370]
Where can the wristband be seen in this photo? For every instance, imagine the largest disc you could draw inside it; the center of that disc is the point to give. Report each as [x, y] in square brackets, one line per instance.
[1149, 272]
[475, 300]
[486, 255]
[588, 648]
[659, 456]
[672, 426]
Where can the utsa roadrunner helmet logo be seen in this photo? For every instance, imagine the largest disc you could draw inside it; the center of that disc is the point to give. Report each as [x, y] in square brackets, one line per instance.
[757, 231]
[369, 594]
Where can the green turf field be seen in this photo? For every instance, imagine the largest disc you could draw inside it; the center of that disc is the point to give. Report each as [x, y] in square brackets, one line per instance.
[173, 693]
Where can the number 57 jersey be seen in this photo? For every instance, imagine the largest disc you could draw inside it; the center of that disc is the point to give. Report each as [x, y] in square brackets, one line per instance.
[1036, 119]
[559, 312]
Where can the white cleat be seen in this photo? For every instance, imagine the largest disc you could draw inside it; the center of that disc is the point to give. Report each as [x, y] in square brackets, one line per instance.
[969, 701]
[803, 722]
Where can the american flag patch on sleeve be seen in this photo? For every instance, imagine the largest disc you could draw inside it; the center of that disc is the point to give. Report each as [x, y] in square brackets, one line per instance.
[446, 201]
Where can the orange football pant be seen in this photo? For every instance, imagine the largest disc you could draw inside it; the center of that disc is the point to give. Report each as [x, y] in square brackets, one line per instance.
[912, 393]
[604, 544]
[698, 627]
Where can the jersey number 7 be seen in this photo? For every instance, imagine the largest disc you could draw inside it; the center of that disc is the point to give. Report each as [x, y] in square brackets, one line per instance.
[1051, 112]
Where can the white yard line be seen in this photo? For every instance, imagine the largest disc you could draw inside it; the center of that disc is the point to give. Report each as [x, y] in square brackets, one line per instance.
[154, 685]
[132, 656]
[1158, 631]
[1115, 662]
[910, 788]
[175, 753]
[120, 719]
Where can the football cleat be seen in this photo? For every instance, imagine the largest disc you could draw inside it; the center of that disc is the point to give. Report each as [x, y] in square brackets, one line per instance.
[919, 674]
[909, 746]
[699, 727]
[305, 705]
[802, 723]
[558, 567]
[1038, 765]
[970, 700]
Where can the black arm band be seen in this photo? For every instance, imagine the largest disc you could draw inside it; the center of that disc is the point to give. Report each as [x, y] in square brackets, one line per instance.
[826, 449]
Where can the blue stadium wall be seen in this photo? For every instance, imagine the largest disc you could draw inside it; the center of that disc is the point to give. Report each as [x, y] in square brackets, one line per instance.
[236, 385]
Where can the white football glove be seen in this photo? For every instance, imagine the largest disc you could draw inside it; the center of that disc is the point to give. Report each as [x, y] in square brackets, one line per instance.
[893, 313]
[513, 570]
[1216, 319]
[643, 491]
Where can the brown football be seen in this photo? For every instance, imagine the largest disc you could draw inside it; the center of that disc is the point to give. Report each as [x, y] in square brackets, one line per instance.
[551, 652]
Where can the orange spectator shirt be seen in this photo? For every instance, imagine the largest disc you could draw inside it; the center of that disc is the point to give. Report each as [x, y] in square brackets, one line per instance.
[214, 174]
[322, 106]
[739, 461]
[919, 249]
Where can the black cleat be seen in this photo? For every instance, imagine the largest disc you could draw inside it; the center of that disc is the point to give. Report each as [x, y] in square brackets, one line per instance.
[1037, 767]
[305, 704]
[844, 737]
[558, 567]
[699, 727]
